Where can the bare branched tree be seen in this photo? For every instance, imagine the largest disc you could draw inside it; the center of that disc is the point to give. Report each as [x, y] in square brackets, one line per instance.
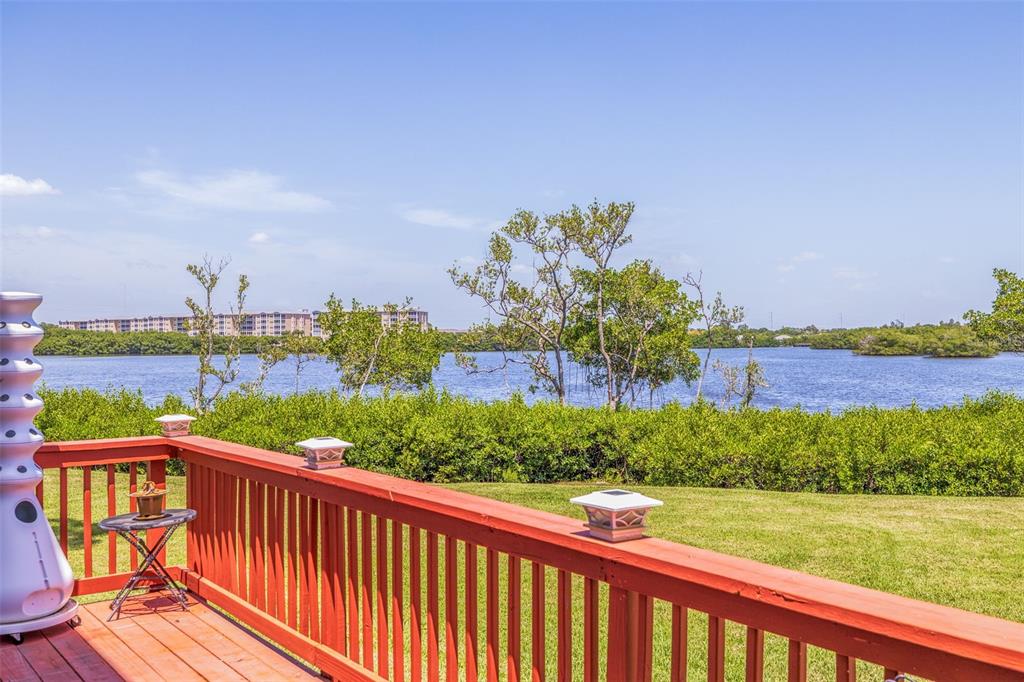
[531, 316]
[204, 324]
[717, 318]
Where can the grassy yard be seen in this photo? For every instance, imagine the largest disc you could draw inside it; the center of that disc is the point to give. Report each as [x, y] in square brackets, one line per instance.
[962, 552]
[957, 551]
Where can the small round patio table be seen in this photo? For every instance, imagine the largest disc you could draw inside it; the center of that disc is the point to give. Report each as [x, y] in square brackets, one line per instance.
[131, 528]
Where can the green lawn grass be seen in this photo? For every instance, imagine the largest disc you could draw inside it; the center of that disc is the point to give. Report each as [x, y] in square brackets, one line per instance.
[966, 552]
[962, 552]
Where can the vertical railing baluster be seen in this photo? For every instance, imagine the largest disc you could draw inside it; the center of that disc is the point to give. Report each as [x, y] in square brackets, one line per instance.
[275, 589]
[846, 668]
[590, 641]
[471, 598]
[537, 625]
[716, 649]
[755, 655]
[492, 615]
[645, 638]
[87, 519]
[111, 511]
[293, 560]
[64, 510]
[415, 611]
[250, 552]
[199, 526]
[341, 580]
[243, 546]
[235, 553]
[366, 554]
[679, 644]
[433, 662]
[797, 661]
[397, 597]
[133, 486]
[564, 626]
[313, 575]
[352, 537]
[515, 591]
[328, 617]
[617, 663]
[191, 559]
[157, 471]
[451, 603]
[304, 567]
[383, 651]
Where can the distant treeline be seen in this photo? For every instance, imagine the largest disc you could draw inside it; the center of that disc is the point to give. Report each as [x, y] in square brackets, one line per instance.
[58, 341]
[941, 340]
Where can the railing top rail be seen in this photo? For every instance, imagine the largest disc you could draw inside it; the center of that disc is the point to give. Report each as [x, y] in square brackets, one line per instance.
[73, 453]
[932, 640]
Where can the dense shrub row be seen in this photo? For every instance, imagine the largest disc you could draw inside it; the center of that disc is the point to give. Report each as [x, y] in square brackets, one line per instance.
[976, 448]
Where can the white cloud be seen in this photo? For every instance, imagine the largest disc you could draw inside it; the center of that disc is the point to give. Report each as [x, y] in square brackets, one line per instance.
[802, 257]
[259, 238]
[436, 217]
[16, 186]
[32, 232]
[684, 259]
[805, 256]
[860, 280]
[234, 190]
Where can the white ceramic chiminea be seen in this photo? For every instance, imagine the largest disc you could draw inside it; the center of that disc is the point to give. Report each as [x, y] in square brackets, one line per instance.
[35, 578]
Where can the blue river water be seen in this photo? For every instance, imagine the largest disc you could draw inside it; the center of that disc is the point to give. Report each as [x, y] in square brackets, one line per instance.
[813, 379]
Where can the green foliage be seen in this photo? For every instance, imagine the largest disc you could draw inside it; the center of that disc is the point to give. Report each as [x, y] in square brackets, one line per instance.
[367, 352]
[976, 448]
[646, 343]
[532, 312]
[86, 414]
[1005, 324]
[941, 341]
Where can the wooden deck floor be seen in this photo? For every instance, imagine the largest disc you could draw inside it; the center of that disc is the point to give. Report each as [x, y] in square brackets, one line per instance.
[153, 640]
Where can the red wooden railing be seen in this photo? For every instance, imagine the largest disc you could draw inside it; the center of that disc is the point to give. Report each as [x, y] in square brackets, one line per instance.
[372, 577]
[81, 461]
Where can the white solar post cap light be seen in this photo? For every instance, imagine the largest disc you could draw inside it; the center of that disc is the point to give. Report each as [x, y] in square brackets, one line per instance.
[616, 515]
[35, 578]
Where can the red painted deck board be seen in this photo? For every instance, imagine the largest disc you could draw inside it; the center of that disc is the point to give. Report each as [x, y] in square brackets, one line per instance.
[153, 640]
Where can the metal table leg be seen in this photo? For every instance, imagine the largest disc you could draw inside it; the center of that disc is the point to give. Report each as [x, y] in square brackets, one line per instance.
[150, 560]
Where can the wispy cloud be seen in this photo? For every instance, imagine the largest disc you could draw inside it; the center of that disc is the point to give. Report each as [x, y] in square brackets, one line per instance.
[242, 190]
[16, 186]
[259, 238]
[858, 279]
[805, 256]
[437, 217]
[802, 257]
[32, 232]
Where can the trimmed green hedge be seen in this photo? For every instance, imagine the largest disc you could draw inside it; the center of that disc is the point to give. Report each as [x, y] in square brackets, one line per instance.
[976, 448]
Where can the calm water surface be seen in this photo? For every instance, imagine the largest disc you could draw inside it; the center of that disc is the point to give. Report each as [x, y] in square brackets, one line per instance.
[813, 379]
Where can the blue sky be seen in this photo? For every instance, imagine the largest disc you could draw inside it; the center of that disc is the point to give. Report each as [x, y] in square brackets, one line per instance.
[819, 159]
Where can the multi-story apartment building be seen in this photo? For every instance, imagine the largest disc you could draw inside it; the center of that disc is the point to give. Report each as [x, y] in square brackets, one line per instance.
[255, 324]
